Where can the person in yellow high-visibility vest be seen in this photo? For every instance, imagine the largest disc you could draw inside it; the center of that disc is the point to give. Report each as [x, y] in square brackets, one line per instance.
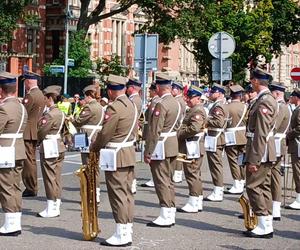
[64, 105]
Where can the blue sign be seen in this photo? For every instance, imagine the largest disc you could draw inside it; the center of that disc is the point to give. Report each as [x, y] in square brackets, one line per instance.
[145, 44]
[71, 62]
[54, 69]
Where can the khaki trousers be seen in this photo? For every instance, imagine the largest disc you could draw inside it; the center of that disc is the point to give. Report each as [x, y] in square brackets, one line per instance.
[162, 173]
[120, 196]
[29, 173]
[84, 160]
[192, 172]
[258, 186]
[216, 166]
[51, 171]
[276, 181]
[10, 190]
[178, 166]
[233, 153]
[296, 171]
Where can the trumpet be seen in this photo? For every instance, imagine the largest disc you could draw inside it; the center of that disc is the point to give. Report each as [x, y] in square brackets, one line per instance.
[183, 158]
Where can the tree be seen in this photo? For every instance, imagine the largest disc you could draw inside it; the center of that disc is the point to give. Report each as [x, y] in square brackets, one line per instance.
[112, 66]
[258, 30]
[10, 12]
[79, 50]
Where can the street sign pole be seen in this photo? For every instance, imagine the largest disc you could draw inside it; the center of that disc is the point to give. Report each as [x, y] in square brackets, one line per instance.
[145, 72]
[66, 50]
[221, 60]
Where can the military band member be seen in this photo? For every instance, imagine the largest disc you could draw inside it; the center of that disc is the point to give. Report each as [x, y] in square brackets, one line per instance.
[133, 88]
[282, 125]
[260, 154]
[252, 95]
[235, 138]
[148, 115]
[215, 140]
[90, 121]
[177, 92]
[119, 131]
[13, 118]
[190, 132]
[51, 151]
[293, 146]
[161, 150]
[35, 104]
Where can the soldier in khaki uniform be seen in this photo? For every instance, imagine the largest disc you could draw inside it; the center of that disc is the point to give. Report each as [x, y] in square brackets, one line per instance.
[215, 140]
[282, 125]
[161, 150]
[190, 133]
[177, 92]
[13, 118]
[148, 115]
[235, 138]
[133, 88]
[35, 104]
[119, 131]
[260, 154]
[293, 146]
[89, 121]
[49, 130]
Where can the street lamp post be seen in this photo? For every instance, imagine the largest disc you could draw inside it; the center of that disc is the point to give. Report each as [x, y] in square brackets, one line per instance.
[66, 48]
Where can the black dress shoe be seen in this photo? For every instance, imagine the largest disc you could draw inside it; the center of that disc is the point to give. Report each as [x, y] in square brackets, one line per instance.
[253, 235]
[146, 186]
[241, 216]
[28, 193]
[105, 243]
[291, 208]
[206, 199]
[152, 224]
[277, 218]
[16, 233]
[227, 192]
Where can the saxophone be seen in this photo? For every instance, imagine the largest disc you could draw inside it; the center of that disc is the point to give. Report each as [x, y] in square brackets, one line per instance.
[89, 208]
[250, 219]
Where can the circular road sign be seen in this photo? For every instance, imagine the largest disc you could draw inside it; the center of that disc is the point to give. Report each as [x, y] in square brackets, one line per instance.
[221, 40]
[295, 74]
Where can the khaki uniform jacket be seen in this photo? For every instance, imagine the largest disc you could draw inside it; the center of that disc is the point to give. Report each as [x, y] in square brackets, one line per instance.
[217, 119]
[236, 110]
[282, 123]
[90, 114]
[193, 123]
[34, 103]
[148, 115]
[10, 119]
[136, 99]
[49, 124]
[182, 103]
[262, 118]
[162, 120]
[294, 132]
[118, 120]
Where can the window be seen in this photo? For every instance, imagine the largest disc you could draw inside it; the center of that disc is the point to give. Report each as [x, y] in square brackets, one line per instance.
[119, 39]
[55, 44]
[288, 65]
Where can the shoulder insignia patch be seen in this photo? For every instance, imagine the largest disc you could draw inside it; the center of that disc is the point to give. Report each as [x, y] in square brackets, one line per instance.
[197, 117]
[44, 121]
[26, 101]
[264, 111]
[107, 116]
[157, 113]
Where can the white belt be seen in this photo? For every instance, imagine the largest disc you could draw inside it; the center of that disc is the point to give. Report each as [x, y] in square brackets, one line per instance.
[120, 144]
[251, 135]
[280, 135]
[11, 136]
[91, 127]
[168, 134]
[236, 129]
[57, 136]
[216, 129]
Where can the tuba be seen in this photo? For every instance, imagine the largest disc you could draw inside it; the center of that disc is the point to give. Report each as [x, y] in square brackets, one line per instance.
[183, 158]
[89, 208]
[250, 219]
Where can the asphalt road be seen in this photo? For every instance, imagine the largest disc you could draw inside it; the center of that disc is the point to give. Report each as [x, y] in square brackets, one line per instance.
[217, 227]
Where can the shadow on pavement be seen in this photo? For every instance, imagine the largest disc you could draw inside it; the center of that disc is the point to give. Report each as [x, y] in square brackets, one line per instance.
[288, 234]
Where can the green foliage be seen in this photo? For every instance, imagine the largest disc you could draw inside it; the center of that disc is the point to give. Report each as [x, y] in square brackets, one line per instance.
[111, 66]
[10, 12]
[258, 30]
[79, 50]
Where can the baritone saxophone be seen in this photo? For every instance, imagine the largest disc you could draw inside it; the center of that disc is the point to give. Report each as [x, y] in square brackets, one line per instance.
[250, 219]
[89, 209]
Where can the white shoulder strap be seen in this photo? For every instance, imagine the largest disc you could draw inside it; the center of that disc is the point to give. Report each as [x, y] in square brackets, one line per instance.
[242, 117]
[62, 123]
[176, 120]
[21, 123]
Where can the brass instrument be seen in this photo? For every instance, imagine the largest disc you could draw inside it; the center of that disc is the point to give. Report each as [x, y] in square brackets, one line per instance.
[250, 219]
[89, 209]
[183, 158]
